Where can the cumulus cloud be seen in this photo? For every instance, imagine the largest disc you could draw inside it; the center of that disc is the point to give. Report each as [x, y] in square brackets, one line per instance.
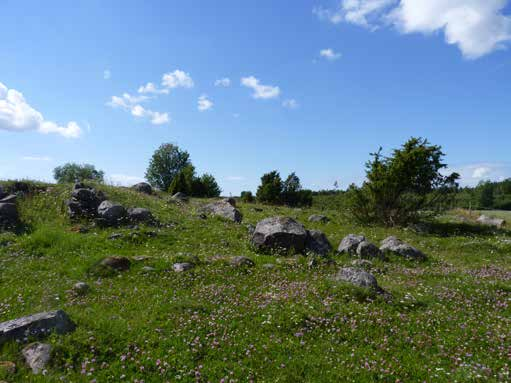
[131, 103]
[329, 54]
[471, 174]
[204, 103]
[177, 79]
[17, 115]
[290, 103]
[260, 91]
[223, 82]
[150, 88]
[476, 27]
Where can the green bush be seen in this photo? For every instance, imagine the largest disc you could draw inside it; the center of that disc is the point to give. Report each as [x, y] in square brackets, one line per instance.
[166, 163]
[270, 190]
[187, 182]
[247, 197]
[72, 172]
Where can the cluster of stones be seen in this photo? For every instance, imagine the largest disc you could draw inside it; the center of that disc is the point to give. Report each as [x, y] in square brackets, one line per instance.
[86, 202]
[37, 355]
[357, 245]
[8, 212]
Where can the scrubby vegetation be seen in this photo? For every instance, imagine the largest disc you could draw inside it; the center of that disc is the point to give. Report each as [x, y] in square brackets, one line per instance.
[486, 195]
[448, 320]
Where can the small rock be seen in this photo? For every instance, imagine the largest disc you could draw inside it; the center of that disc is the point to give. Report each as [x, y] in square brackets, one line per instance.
[394, 245]
[183, 266]
[269, 266]
[116, 263]
[37, 356]
[140, 215]
[318, 243]
[241, 261]
[319, 218]
[357, 277]
[81, 288]
[143, 187]
[350, 243]
[180, 197]
[368, 250]
[114, 236]
[148, 269]
[36, 325]
[140, 258]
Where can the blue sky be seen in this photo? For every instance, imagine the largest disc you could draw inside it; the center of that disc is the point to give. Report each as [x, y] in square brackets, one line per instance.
[313, 86]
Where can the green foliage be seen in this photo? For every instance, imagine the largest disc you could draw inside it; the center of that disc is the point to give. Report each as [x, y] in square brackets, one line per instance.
[72, 172]
[247, 197]
[403, 186]
[486, 195]
[270, 190]
[166, 163]
[187, 182]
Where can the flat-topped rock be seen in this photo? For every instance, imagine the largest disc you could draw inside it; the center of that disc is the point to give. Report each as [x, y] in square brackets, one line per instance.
[36, 325]
[279, 234]
[396, 246]
[180, 197]
[490, 221]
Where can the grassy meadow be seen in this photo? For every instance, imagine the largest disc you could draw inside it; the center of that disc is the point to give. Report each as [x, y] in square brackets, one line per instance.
[449, 320]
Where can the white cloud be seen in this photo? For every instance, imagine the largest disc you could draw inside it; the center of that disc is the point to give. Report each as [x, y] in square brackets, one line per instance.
[471, 174]
[107, 74]
[260, 91]
[204, 103]
[234, 178]
[223, 82]
[477, 27]
[329, 54]
[290, 104]
[123, 179]
[152, 89]
[36, 158]
[131, 103]
[17, 115]
[177, 79]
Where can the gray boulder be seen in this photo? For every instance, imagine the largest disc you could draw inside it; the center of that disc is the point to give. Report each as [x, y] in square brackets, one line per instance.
[368, 250]
[37, 355]
[143, 187]
[8, 215]
[319, 218]
[350, 243]
[490, 221]
[357, 277]
[396, 246]
[116, 263]
[112, 213]
[180, 197]
[280, 234]
[223, 209]
[242, 261]
[84, 201]
[140, 215]
[37, 325]
[318, 243]
[80, 288]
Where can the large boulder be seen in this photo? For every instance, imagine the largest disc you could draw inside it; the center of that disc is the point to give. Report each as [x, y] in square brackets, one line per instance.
[368, 250]
[112, 213]
[8, 215]
[84, 201]
[11, 198]
[37, 355]
[350, 243]
[396, 246]
[318, 243]
[140, 215]
[37, 325]
[279, 234]
[143, 187]
[224, 209]
[490, 221]
[357, 277]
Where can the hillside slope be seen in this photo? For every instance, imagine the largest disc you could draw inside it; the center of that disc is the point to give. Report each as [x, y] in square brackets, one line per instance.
[449, 319]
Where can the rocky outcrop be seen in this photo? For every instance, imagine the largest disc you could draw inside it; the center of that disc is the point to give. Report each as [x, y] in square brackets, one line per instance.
[37, 325]
[280, 234]
[84, 202]
[395, 246]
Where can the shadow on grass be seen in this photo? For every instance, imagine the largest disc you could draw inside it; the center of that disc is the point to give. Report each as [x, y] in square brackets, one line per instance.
[453, 229]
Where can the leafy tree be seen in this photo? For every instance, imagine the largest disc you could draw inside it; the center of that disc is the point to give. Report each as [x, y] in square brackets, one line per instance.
[72, 172]
[270, 189]
[486, 197]
[183, 181]
[209, 187]
[403, 186]
[247, 197]
[167, 162]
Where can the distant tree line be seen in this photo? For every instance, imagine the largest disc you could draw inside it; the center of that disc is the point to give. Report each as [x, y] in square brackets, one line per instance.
[486, 195]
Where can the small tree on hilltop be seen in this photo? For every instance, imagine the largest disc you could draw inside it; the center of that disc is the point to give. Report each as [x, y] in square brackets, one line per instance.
[167, 162]
[404, 186]
[270, 189]
[72, 172]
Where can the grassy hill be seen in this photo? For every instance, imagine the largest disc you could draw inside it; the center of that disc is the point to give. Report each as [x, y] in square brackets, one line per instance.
[449, 320]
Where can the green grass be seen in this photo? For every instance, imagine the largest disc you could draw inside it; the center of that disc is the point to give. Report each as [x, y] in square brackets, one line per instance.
[448, 321]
